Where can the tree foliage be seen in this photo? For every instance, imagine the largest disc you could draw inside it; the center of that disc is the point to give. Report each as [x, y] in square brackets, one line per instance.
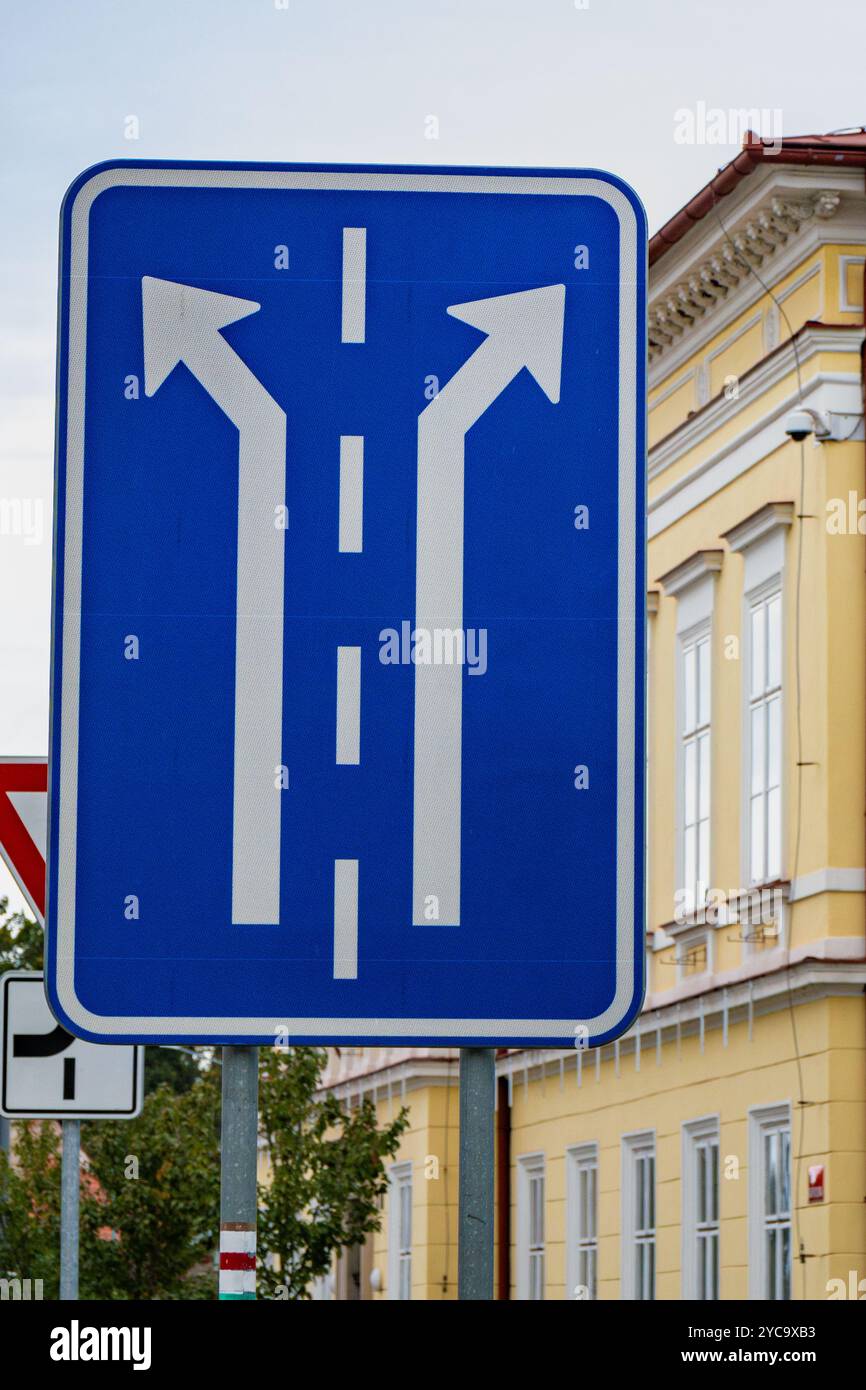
[20, 940]
[175, 1067]
[30, 1207]
[155, 1192]
[149, 1201]
[150, 1188]
[327, 1172]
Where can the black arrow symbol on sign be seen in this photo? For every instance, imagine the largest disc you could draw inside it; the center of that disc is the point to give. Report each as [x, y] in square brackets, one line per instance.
[48, 1045]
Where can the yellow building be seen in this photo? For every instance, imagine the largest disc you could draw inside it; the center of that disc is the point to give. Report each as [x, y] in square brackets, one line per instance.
[718, 1150]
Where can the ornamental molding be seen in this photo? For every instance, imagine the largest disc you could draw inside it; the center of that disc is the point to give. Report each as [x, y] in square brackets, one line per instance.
[742, 247]
[349, 1067]
[764, 985]
[391, 1078]
[794, 183]
[697, 566]
[834, 393]
[827, 338]
[762, 523]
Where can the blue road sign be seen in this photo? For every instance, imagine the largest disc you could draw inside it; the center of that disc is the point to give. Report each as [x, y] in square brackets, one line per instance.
[347, 722]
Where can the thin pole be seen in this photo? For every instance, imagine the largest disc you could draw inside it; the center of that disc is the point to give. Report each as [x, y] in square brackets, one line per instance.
[503, 1193]
[5, 1147]
[475, 1218]
[70, 1168]
[238, 1205]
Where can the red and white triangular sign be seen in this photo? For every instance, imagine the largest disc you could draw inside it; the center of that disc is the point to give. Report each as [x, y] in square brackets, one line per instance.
[24, 825]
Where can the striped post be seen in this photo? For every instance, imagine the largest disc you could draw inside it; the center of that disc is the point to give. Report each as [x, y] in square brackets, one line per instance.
[237, 1260]
[238, 1206]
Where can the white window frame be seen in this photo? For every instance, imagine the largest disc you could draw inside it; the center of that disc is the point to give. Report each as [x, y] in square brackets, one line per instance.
[698, 1134]
[399, 1253]
[845, 305]
[692, 640]
[764, 1121]
[652, 610]
[531, 1253]
[635, 1236]
[693, 584]
[760, 598]
[761, 540]
[581, 1233]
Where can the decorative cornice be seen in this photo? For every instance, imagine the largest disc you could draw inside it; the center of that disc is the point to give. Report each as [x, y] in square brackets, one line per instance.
[832, 393]
[761, 523]
[696, 567]
[349, 1065]
[833, 880]
[804, 974]
[744, 248]
[790, 183]
[757, 156]
[812, 338]
[395, 1079]
[765, 983]
[763, 974]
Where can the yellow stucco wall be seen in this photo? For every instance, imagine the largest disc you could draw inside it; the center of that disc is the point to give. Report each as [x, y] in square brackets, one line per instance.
[688, 1083]
[431, 1145]
[685, 1080]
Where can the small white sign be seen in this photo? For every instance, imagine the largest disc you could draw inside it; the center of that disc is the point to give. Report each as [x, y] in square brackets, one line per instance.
[47, 1074]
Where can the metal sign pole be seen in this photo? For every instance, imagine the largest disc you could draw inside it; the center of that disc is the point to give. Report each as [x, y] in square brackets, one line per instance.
[238, 1203]
[475, 1217]
[5, 1147]
[70, 1170]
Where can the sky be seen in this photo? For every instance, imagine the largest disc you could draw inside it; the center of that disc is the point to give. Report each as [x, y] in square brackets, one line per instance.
[597, 83]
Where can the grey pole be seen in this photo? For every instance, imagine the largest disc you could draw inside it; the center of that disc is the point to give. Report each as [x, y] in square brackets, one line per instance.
[238, 1205]
[70, 1168]
[5, 1147]
[475, 1217]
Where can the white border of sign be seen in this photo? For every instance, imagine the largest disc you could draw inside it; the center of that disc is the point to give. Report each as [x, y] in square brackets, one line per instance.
[36, 977]
[629, 606]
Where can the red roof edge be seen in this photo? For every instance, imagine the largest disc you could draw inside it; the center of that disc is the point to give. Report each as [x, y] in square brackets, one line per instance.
[848, 149]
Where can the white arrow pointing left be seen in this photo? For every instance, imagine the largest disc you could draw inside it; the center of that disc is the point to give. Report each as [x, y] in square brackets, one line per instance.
[182, 324]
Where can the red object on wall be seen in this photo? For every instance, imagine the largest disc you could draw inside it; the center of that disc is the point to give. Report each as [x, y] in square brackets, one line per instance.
[816, 1182]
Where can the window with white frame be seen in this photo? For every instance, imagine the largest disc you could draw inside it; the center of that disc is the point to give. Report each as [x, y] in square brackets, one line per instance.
[695, 768]
[765, 737]
[701, 1210]
[770, 1203]
[639, 1217]
[761, 540]
[400, 1233]
[648, 820]
[530, 1228]
[582, 1222]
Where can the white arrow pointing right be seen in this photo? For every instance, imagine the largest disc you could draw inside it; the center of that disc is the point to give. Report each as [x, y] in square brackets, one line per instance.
[523, 330]
[182, 324]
